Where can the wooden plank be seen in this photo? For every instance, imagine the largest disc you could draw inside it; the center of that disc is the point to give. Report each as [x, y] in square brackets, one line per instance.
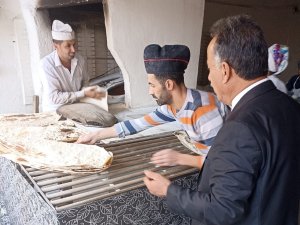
[36, 104]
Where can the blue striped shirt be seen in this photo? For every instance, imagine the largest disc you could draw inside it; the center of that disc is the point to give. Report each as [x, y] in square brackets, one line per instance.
[201, 116]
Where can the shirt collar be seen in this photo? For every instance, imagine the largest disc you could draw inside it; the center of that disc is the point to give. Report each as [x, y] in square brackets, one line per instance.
[243, 92]
[56, 59]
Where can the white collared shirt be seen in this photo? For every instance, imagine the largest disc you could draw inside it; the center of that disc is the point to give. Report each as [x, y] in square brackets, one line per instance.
[242, 93]
[60, 86]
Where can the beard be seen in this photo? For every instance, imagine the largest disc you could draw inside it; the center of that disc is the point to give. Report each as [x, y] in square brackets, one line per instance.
[164, 99]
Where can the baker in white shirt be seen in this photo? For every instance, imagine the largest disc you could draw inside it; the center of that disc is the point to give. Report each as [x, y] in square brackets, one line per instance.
[64, 74]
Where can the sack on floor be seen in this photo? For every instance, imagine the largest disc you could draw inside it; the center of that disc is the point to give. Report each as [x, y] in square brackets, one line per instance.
[87, 114]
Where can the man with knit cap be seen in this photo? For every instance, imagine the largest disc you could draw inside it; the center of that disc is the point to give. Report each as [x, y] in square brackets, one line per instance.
[64, 74]
[199, 113]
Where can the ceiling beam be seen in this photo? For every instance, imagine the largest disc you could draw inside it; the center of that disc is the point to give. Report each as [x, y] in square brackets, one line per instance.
[46, 4]
[257, 4]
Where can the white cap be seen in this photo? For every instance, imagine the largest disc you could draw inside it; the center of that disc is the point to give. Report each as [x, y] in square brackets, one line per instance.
[61, 31]
[278, 58]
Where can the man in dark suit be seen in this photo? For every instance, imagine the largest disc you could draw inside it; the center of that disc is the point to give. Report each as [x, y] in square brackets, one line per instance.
[251, 173]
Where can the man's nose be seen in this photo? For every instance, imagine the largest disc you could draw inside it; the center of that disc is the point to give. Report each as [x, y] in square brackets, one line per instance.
[208, 77]
[73, 48]
[150, 92]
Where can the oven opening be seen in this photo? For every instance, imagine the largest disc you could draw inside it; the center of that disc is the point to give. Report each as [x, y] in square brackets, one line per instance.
[87, 20]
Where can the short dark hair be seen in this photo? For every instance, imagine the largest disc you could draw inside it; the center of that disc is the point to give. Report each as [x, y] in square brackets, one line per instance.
[178, 78]
[57, 41]
[240, 42]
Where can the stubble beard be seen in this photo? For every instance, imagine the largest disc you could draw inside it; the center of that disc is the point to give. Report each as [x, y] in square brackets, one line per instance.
[163, 100]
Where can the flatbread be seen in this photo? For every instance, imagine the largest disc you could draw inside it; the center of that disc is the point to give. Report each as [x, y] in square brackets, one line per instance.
[62, 133]
[44, 145]
[102, 103]
[34, 119]
[58, 156]
[49, 126]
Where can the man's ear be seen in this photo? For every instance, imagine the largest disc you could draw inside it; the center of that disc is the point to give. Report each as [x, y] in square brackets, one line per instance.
[169, 84]
[55, 45]
[226, 72]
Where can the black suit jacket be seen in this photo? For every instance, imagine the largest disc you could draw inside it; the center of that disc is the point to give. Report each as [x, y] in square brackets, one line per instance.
[251, 173]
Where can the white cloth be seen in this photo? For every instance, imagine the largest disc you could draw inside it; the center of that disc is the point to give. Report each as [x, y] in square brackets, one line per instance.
[60, 86]
[62, 31]
[278, 56]
[278, 83]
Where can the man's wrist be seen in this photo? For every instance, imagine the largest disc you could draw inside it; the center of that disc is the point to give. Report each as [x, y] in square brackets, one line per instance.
[179, 160]
[182, 159]
[99, 135]
[80, 94]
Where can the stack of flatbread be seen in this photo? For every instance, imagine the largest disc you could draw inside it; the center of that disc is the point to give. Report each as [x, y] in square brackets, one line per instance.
[42, 141]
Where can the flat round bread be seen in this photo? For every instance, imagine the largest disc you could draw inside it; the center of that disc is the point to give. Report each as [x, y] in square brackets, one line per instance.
[58, 156]
[62, 133]
[48, 146]
[34, 119]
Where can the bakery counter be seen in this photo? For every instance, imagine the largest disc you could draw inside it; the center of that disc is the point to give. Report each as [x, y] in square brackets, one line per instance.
[115, 196]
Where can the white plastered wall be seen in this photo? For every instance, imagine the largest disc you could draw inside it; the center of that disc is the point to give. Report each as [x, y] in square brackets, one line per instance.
[133, 24]
[25, 37]
[39, 38]
[38, 25]
[14, 80]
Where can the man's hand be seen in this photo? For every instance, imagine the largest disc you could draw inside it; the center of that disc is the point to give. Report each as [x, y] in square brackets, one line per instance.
[98, 135]
[167, 157]
[90, 138]
[156, 183]
[94, 92]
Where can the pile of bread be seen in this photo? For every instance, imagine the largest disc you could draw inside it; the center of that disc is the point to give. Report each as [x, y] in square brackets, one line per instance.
[43, 141]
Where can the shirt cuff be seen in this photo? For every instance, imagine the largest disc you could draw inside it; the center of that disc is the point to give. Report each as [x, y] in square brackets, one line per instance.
[120, 131]
[79, 94]
[172, 198]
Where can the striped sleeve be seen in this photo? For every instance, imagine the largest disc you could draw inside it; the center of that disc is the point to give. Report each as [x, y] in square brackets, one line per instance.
[209, 124]
[160, 116]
